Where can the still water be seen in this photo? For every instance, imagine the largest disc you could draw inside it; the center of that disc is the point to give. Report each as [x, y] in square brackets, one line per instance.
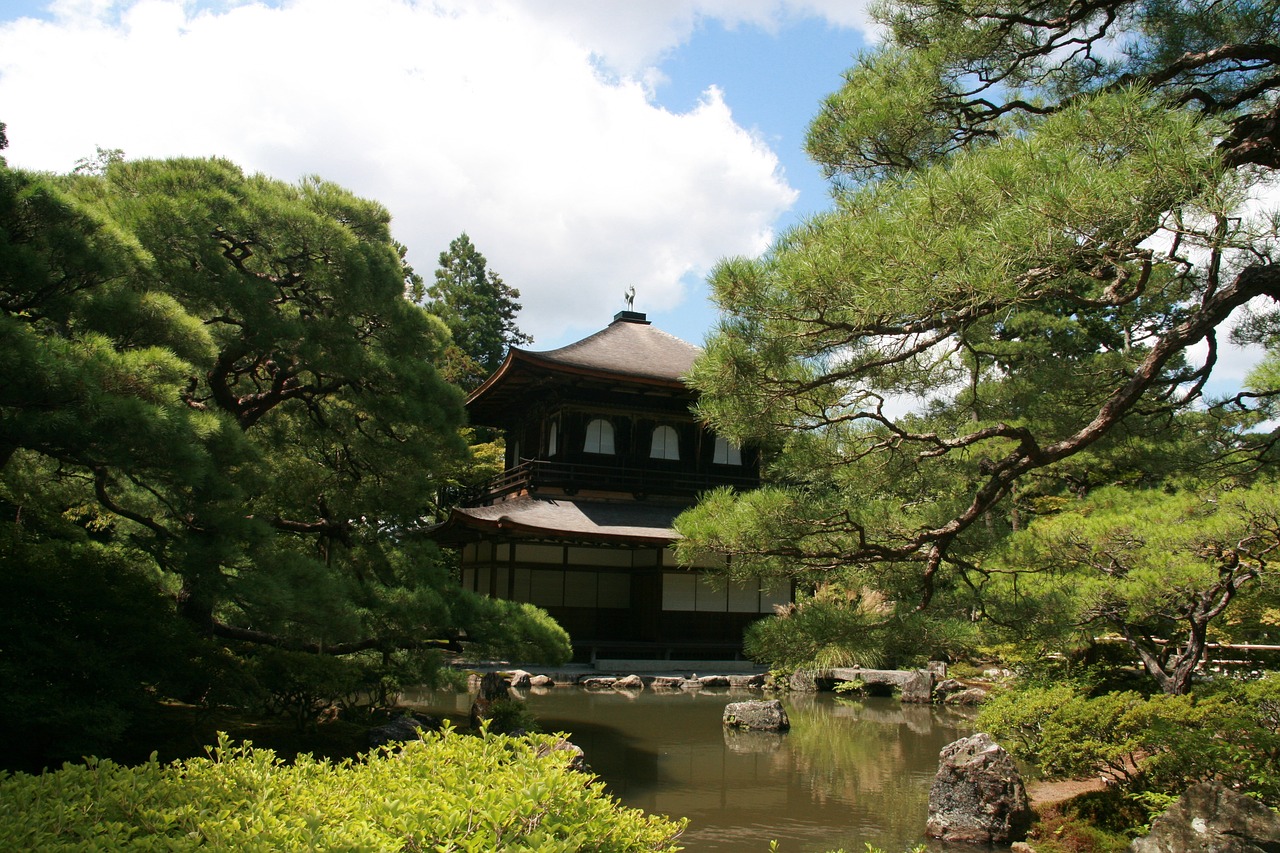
[848, 772]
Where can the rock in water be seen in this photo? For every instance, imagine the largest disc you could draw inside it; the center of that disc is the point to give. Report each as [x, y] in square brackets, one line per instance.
[803, 681]
[577, 758]
[399, 730]
[1212, 819]
[492, 687]
[630, 682]
[519, 679]
[763, 716]
[978, 796]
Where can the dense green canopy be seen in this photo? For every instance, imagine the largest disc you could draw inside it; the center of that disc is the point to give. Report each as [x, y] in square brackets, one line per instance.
[217, 378]
[1040, 211]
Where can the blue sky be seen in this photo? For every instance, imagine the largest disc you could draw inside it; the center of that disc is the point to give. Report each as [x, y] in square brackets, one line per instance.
[773, 81]
[584, 145]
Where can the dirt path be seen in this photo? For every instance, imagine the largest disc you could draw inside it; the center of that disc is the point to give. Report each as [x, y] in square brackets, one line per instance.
[1044, 794]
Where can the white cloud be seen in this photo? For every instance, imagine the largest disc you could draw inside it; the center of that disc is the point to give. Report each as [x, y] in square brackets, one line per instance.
[631, 36]
[1253, 203]
[489, 117]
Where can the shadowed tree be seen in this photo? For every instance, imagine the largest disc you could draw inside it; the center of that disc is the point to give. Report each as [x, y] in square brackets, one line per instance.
[216, 379]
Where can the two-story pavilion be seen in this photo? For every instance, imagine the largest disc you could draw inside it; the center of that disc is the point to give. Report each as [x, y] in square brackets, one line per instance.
[603, 452]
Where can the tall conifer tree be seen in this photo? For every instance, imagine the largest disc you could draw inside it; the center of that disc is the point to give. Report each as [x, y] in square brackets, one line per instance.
[1039, 235]
[478, 307]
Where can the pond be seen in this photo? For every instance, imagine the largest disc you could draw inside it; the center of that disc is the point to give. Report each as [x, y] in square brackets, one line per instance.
[848, 772]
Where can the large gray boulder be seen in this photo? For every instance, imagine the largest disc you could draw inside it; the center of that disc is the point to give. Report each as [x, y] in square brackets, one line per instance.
[946, 687]
[917, 687]
[978, 796]
[1210, 818]
[758, 716]
[803, 681]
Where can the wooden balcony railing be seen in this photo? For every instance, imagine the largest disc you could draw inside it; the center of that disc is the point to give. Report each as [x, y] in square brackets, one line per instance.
[534, 474]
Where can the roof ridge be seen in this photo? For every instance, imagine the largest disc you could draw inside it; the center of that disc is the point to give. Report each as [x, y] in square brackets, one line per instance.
[698, 347]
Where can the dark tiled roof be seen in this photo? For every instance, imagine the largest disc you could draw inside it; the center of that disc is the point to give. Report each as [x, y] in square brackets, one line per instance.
[628, 353]
[627, 347]
[568, 520]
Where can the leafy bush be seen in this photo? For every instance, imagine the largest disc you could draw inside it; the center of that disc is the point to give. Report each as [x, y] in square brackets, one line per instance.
[857, 687]
[818, 633]
[1160, 744]
[299, 685]
[448, 792]
[507, 716]
[832, 629]
[914, 639]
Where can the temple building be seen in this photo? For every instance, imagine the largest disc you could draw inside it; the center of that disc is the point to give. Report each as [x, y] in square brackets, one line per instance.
[602, 453]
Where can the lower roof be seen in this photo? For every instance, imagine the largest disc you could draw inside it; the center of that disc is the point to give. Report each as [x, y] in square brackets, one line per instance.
[526, 517]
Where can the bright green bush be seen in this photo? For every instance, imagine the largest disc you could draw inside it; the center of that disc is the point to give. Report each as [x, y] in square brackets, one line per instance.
[817, 633]
[829, 630]
[449, 792]
[1229, 731]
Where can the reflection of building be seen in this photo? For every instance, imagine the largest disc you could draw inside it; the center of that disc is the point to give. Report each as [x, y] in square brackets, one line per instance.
[602, 454]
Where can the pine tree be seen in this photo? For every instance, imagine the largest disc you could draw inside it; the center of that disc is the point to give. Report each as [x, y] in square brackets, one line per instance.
[214, 382]
[1038, 220]
[478, 307]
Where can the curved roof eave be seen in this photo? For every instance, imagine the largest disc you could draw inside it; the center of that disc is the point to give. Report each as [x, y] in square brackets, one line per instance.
[567, 520]
[510, 525]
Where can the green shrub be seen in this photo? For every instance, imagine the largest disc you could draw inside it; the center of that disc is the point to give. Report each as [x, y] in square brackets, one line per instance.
[1058, 833]
[820, 632]
[300, 685]
[511, 715]
[448, 792]
[1229, 731]
[857, 687]
[829, 630]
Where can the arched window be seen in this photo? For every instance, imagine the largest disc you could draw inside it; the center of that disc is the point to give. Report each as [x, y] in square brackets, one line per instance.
[553, 438]
[666, 444]
[599, 437]
[726, 453]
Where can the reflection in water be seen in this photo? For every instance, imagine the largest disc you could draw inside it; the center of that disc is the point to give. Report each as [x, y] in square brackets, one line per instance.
[847, 773]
